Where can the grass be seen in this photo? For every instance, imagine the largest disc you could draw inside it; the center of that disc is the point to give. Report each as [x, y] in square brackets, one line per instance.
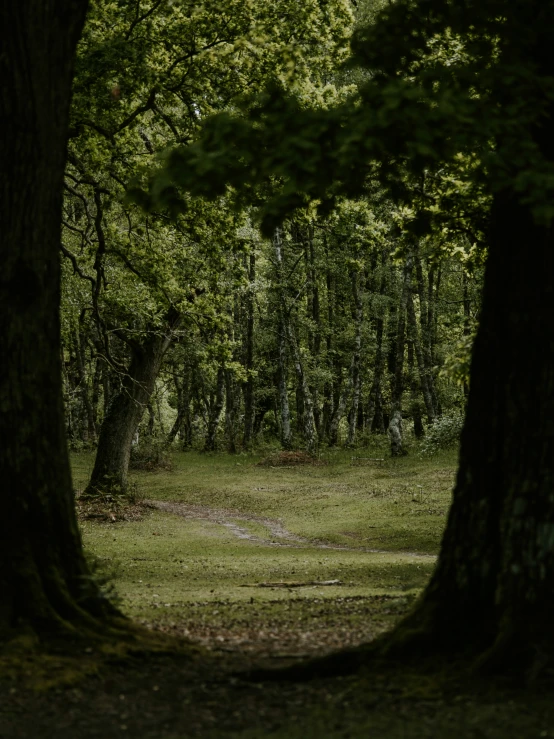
[195, 576]
[253, 602]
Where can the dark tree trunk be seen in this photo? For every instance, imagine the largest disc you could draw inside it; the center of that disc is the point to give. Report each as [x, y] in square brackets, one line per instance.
[467, 317]
[44, 580]
[231, 412]
[493, 584]
[126, 408]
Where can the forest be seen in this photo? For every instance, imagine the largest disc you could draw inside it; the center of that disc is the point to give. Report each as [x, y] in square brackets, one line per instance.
[275, 292]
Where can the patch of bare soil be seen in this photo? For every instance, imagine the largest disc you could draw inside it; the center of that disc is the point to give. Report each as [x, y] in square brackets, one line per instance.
[291, 459]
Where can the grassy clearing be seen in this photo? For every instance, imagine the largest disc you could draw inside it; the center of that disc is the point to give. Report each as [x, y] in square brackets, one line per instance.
[198, 578]
[260, 601]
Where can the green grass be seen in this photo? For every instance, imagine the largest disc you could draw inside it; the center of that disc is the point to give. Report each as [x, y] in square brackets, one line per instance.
[171, 570]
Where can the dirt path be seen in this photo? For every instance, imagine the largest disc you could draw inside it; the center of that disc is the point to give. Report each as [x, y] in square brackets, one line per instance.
[278, 535]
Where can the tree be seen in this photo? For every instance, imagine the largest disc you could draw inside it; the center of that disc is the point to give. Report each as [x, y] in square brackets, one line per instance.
[45, 583]
[452, 81]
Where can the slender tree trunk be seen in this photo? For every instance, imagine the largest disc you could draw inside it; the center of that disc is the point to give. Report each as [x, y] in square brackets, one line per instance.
[415, 407]
[89, 426]
[44, 580]
[248, 386]
[308, 424]
[215, 412]
[338, 412]
[230, 412]
[467, 317]
[286, 436]
[426, 318]
[424, 376]
[111, 467]
[372, 420]
[395, 421]
[355, 376]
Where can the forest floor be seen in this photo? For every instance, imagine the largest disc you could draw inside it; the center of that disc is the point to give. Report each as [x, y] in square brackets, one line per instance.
[261, 566]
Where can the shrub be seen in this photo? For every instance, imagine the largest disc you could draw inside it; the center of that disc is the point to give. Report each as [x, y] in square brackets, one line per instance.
[443, 434]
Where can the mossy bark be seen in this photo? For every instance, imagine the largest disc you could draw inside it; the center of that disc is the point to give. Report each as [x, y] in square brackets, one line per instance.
[44, 580]
[492, 588]
[111, 467]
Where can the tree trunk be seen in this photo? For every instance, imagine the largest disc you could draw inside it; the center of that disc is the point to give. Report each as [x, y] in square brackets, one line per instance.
[427, 301]
[231, 412]
[286, 436]
[374, 409]
[425, 377]
[308, 424]
[216, 407]
[415, 403]
[44, 580]
[248, 386]
[395, 421]
[494, 580]
[111, 467]
[340, 396]
[355, 377]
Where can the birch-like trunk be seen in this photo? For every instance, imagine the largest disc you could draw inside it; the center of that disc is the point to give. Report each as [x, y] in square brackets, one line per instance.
[395, 420]
[424, 375]
[248, 386]
[286, 436]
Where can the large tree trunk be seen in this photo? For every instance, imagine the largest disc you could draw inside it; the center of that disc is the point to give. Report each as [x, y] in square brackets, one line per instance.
[111, 467]
[44, 580]
[494, 580]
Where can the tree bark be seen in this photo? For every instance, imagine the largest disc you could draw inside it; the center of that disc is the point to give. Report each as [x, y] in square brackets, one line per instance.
[492, 588]
[248, 386]
[379, 365]
[111, 467]
[286, 436]
[308, 423]
[355, 376]
[44, 580]
[395, 421]
[215, 410]
[425, 377]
